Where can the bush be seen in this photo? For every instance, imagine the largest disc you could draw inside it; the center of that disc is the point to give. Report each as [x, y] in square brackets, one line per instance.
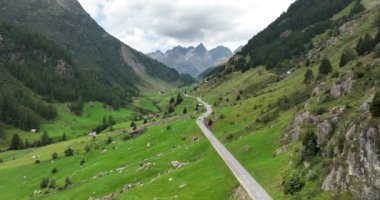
[44, 183]
[54, 170]
[68, 182]
[126, 137]
[319, 111]
[375, 105]
[52, 184]
[377, 51]
[37, 161]
[308, 76]
[54, 155]
[87, 148]
[82, 162]
[69, 151]
[109, 140]
[293, 182]
[309, 146]
[312, 175]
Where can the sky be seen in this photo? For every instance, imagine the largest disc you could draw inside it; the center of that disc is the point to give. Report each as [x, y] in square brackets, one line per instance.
[150, 25]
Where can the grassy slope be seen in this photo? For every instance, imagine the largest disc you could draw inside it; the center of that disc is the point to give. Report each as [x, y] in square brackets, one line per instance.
[238, 127]
[18, 167]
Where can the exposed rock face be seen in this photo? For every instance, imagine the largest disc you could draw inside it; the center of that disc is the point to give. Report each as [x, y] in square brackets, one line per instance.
[63, 69]
[360, 171]
[324, 131]
[337, 90]
[293, 131]
[336, 180]
[366, 104]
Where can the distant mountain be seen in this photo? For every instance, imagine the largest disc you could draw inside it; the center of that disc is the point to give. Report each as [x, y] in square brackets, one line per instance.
[92, 49]
[192, 60]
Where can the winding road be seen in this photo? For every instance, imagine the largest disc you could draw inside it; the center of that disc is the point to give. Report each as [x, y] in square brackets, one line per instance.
[254, 190]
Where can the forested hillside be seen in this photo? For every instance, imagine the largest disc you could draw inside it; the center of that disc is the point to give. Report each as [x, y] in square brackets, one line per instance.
[91, 48]
[290, 35]
[31, 64]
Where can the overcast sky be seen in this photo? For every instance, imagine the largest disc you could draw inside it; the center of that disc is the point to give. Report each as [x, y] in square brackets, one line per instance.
[150, 25]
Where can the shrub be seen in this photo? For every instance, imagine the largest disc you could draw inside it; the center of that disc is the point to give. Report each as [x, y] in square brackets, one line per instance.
[308, 76]
[44, 183]
[54, 170]
[87, 148]
[37, 161]
[377, 50]
[126, 137]
[293, 182]
[109, 140]
[54, 155]
[309, 146]
[312, 175]
[375, 105]
[69, 151]
[82, 162]
[52, 184]
[68, 182]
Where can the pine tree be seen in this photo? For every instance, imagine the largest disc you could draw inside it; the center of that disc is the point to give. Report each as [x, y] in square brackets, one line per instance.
[63, 137]
[365, 44]
[145, 121]
[308, 76]
[184, 110]
[2, 131]
[45, 139]
[111, 122]
[325, 67]
[16, 142]
[347, 56]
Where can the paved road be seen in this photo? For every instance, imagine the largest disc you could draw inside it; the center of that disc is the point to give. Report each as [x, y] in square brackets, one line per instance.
[254, 190]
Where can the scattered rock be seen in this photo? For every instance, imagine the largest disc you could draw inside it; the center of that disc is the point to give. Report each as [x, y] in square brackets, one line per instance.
[149, 144]
[246, 148]
[144, 166]
[279, 151]
[176, 164]
[182, 186]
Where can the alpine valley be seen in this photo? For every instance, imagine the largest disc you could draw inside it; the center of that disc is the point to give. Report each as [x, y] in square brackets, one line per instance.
[294, 114]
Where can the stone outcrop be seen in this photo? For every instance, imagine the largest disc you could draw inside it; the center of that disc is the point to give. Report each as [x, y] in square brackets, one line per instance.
[293, 132]
[62, 68]
[338, 90]
[360, 171]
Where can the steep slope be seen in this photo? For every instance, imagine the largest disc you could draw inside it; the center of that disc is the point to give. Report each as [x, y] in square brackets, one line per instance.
[311, 132]
[65, 22]
[192, 60]
[289, 36]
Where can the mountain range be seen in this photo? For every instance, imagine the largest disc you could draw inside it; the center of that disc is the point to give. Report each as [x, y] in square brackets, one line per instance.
[192, 60]
[91, 48]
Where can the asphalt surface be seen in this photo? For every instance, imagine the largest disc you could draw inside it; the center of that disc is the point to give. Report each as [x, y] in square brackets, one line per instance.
[254, 190]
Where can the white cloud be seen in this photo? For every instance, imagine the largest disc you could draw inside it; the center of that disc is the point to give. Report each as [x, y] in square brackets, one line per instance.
[161, 24]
